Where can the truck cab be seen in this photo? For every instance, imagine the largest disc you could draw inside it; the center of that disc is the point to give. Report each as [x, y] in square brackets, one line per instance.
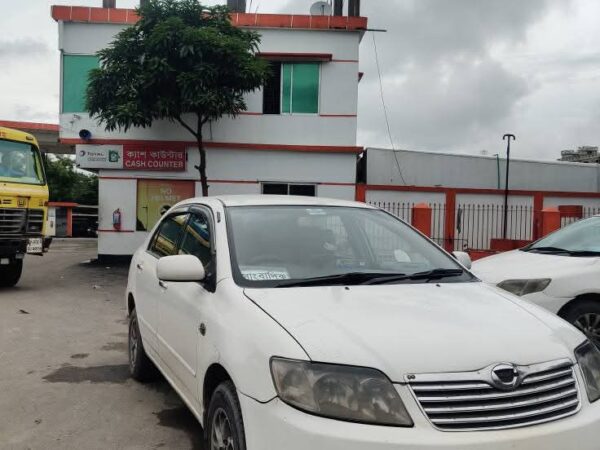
[23, 203]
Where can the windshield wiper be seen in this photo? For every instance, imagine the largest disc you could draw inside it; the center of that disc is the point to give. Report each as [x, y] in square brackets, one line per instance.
[352, 278]
[546, 250]
[435, 274]
[563, 251]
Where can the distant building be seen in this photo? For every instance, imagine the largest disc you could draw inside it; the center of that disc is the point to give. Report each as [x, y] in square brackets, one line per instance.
[585, 154]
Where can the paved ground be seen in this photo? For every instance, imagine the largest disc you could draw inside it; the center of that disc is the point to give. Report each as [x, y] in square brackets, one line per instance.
[64, 382]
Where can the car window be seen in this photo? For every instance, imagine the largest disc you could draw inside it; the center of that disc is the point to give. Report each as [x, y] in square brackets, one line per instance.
[271, 244]
[578, 237]
[168, 235]
[197, 238]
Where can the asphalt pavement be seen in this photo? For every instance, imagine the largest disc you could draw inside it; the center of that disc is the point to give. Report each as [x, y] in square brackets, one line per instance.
[64, 381]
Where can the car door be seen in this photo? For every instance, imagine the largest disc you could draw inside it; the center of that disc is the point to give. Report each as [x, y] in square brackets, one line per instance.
[148, 291]
[183, 305]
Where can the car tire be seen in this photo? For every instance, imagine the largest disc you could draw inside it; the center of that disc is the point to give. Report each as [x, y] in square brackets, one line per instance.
[141, 368]
[585, 315]
[11, 273]
[224, 427]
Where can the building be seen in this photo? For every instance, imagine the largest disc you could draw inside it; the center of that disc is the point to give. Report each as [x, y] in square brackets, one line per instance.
[309, 149]
[585, 154]
[466, 193]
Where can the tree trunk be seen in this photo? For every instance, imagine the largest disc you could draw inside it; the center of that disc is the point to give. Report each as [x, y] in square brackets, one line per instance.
[202, 167]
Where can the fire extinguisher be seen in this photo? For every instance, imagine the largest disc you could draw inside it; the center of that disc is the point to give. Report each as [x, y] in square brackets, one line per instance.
[116, 219]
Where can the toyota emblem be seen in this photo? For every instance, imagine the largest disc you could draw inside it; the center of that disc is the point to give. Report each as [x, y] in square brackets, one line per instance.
[505, 376]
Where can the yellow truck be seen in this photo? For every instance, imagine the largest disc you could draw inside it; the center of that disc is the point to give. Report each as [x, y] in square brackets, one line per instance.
[23, 203]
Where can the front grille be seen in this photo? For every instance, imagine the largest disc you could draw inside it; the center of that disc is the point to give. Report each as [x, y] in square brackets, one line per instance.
[470, 401]
[12, 220]
[35, 220]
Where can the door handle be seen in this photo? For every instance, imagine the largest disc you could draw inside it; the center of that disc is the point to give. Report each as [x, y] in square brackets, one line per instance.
[162, 284]
[140, 266]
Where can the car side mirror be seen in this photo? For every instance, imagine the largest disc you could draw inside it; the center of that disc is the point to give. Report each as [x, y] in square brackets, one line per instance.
[463, 258]
[180, 268]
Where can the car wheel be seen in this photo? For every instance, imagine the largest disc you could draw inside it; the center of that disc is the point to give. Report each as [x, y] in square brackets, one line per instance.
[11, 273]
[141, 367]
[224, 427]
[585, 315]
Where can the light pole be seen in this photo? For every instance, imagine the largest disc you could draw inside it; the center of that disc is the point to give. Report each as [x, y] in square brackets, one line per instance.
[507, 137]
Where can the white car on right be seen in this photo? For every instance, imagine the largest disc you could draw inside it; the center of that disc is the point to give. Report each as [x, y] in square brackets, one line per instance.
[560, 272]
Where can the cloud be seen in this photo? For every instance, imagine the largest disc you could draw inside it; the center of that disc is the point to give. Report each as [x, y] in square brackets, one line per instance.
[23, 48]
[445, 82]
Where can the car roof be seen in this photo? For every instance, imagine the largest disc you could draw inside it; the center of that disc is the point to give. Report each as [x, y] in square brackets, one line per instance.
[279, 200]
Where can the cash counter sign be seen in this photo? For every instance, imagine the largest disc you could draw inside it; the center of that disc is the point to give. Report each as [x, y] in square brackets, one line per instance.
[137, 159]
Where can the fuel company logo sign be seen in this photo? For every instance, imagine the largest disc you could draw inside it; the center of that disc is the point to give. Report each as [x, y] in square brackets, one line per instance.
[99, 156]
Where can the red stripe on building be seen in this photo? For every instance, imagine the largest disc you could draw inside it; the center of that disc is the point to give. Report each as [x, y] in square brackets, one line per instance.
[227, 145]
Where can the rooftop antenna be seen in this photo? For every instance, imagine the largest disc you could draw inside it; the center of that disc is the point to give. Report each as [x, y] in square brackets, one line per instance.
[321, 9]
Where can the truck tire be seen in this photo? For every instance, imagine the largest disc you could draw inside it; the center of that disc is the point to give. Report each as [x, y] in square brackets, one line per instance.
[11, 274]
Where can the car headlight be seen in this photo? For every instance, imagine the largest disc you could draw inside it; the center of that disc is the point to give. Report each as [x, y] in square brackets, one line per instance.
[524, 287]
[588, 357]
[353, 394]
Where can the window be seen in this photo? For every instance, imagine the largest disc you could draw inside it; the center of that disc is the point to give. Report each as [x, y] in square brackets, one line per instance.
[274, 244]
[272, 90]
[168, 235]
[76, 69]
[292, 89]
[197, 239]
[305, 190]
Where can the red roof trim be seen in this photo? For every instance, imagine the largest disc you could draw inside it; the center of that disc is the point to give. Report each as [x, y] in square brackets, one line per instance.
[29, 125]
[129, 16]
[326, 57]
[63, 204]
[227, 145]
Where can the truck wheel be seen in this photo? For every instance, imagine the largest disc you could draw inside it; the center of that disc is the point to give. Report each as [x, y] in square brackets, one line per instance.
[11, 274]
[141, 367]
[224, 425]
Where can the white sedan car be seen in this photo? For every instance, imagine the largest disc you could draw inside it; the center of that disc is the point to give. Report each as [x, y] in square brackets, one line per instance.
[299, 323]
[560, 272]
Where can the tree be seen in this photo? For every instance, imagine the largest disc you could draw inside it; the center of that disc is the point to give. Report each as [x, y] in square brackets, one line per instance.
[182, 62]
[66, 184]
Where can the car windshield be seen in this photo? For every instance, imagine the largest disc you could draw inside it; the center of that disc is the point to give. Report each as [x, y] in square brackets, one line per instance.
[581, 237]
[284, 246]
[20, 163]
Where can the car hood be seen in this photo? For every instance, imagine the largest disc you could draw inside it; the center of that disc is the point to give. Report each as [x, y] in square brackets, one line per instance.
[418, 328]
[519, 265]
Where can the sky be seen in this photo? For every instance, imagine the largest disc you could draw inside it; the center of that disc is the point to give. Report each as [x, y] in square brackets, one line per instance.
[456, 75]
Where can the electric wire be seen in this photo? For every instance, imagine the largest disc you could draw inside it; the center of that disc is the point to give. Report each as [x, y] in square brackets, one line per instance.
[385, 110]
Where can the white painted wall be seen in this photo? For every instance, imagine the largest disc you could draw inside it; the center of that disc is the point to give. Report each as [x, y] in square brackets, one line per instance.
[338, 94]
[235, 166]
[465, 171]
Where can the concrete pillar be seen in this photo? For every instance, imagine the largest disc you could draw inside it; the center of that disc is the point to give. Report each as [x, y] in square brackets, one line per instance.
[421, 218]
[550, 220]
[69, 221]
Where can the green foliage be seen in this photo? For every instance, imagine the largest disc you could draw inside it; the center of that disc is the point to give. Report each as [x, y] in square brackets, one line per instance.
[67, 184]
[180, 58]
[182, 62]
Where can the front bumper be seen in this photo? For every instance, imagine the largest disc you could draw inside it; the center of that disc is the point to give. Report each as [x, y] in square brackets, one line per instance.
[275, 426]
[552, 304]
[11, 246]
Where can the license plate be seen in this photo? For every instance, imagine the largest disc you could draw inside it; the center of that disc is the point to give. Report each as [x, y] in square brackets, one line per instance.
[35, 245]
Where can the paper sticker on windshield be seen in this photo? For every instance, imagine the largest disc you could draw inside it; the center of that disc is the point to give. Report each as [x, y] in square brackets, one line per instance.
[265, 274]
[316, 212]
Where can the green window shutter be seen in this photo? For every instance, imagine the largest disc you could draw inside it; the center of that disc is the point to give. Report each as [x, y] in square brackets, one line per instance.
[305, 88]
[75, 80]
[286, 89]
